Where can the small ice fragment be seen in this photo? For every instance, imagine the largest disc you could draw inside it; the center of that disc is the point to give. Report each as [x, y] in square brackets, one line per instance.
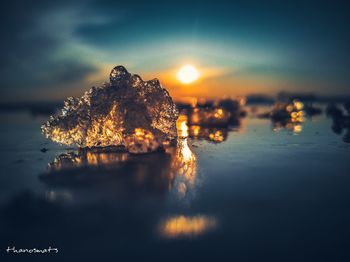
[43, 150]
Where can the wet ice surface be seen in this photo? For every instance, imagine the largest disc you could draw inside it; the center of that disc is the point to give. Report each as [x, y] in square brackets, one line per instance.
[257, 196]
[127, 111]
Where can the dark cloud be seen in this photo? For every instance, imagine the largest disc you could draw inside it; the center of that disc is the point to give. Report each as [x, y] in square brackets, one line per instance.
[30, 51]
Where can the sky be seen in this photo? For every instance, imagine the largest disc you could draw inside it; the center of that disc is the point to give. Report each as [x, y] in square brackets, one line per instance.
[53, 49]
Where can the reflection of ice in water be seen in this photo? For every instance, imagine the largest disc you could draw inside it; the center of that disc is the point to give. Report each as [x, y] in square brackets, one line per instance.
[86, 158]
[52, 196]
[184, 166]
[296, 128]
[186, 226]
[173, 170]
[184, 153]
[212, 134]
[185, 162]
[216, 135]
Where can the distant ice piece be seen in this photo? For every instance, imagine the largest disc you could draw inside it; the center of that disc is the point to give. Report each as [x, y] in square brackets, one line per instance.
[138, 115]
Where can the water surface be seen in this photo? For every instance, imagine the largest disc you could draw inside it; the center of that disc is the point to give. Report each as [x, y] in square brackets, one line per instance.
[262, 194]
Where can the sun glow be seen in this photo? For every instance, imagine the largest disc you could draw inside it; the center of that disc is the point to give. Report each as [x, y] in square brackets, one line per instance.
[187, 74]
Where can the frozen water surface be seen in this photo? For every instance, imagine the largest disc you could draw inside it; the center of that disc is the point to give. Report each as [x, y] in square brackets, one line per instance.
[253, 195]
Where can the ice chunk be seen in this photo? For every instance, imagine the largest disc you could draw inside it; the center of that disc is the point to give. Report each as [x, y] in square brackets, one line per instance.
[127, 111]
[289, 116]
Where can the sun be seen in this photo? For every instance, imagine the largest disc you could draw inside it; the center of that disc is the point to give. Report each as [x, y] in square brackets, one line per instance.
[187, 74]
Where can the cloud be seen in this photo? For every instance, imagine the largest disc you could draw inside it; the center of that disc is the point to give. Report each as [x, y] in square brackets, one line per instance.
[37, 49]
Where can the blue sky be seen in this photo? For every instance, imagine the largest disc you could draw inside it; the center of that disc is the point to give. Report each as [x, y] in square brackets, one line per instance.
[51, 50]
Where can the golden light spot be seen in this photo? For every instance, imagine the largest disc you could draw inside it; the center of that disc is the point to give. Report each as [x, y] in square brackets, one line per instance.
[180, 226]
[195, 130]
[217, 136]
[187, 74]
[182, 127]
[219, 113]
[298, 105]
[290, 108]
[297, 128]
[294, 114]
